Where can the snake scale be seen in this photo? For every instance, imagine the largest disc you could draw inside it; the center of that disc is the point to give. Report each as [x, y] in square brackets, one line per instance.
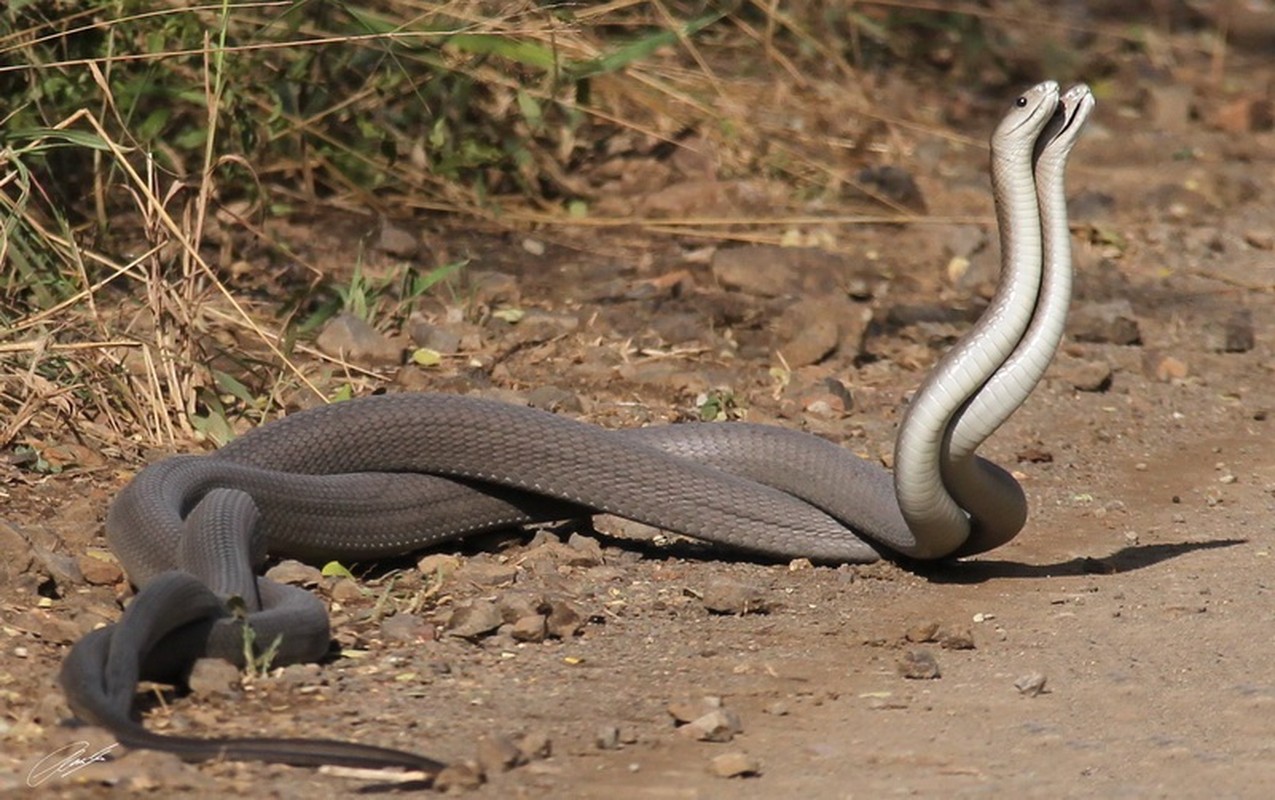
[389, 474]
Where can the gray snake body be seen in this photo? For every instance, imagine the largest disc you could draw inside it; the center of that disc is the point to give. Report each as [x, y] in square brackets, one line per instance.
[386, 475]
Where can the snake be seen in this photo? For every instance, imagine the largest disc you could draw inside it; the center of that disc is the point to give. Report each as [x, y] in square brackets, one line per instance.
[389, 474]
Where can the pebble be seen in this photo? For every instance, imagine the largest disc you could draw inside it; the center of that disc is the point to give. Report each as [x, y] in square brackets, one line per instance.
[498, 754]
[719, 725]
[516, 604]
[214, 677]
[442, 340]
[555, 399]
[1235, 335]
[688, 709]
[735, 764]
[918, 665]
[346, 590]
[564, 621]
[349, 337]
[99, 569]
[531, 628]
[396, 241]
[294, 573]
[1165, 368]
[1084, 375]
[809, 332]
[535, 745]
[588, 551]
[771, 270]
[482, 573]
[894, 183]
[1031, 684]
[777, 709]
[961, 638]
[1110, 322]
[438, 566]
[459, 776]
[407, 628]
[923, 632]
[474, 618]
[724, 596]
[494, 288]
[607, 737]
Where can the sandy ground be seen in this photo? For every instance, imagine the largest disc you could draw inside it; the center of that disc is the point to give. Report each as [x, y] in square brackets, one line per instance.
[1140, 592]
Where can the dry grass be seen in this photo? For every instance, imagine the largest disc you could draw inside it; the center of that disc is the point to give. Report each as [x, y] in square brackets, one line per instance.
[124, 215]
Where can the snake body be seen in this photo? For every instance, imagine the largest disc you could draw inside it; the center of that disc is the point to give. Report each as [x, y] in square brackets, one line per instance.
[390, 474]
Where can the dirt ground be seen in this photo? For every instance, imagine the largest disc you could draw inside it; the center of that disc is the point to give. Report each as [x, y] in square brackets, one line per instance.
[1141, 591]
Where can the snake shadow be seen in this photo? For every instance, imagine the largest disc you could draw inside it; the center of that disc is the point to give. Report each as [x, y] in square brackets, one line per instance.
[1126, 559]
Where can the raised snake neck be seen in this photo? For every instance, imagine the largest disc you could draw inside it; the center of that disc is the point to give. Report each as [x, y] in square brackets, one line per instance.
[175, 514]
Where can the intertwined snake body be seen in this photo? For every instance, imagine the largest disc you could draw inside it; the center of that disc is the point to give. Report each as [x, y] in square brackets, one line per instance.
[390, 474]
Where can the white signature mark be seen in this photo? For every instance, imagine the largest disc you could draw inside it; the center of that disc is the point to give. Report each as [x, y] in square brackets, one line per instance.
[65, 761]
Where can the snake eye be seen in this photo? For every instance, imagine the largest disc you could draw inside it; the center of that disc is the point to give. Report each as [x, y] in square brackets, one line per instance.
[1021, 102]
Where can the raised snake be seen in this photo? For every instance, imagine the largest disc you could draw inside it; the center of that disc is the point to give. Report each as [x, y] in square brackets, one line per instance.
[359, 480]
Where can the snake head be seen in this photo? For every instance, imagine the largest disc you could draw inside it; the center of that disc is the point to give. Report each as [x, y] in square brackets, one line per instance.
[1031, 111]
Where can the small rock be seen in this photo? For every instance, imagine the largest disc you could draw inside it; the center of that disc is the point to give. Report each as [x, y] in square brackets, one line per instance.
[777, 709]
[735, 764]
[684, 711]
[1085, 375]
[99, 569]
[1260, 240]
[433, 337]
[516, 604]
[474, 618]
[918, 665]
[396, 241]
[809, 333]
[607, 737]
[212, 677]
[459, 776]
[498, 754]
[719, 725]
[295, 573]
[963, 241]
[1165, 368]
[772, 270]
[1170, 107]
[1233, 336]
[406, 628]
[564, 621]
[1031, 684]
[438, 566]
[487, 573]
[553, 398]
[588, 549]
[722, 596]
[345, 590]
[535, 745]
[923, 632]
[961, 638]
[295, 675]
[530, 628]
[1111, 322]
[494, 288]
[893, 183]
[346, 336]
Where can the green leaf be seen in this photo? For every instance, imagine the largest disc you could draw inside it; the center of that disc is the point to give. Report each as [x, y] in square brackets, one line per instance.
[523, 52]
[641, 48]
[335, 569]
[510, 315]
[426, 357]
[228, 384]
